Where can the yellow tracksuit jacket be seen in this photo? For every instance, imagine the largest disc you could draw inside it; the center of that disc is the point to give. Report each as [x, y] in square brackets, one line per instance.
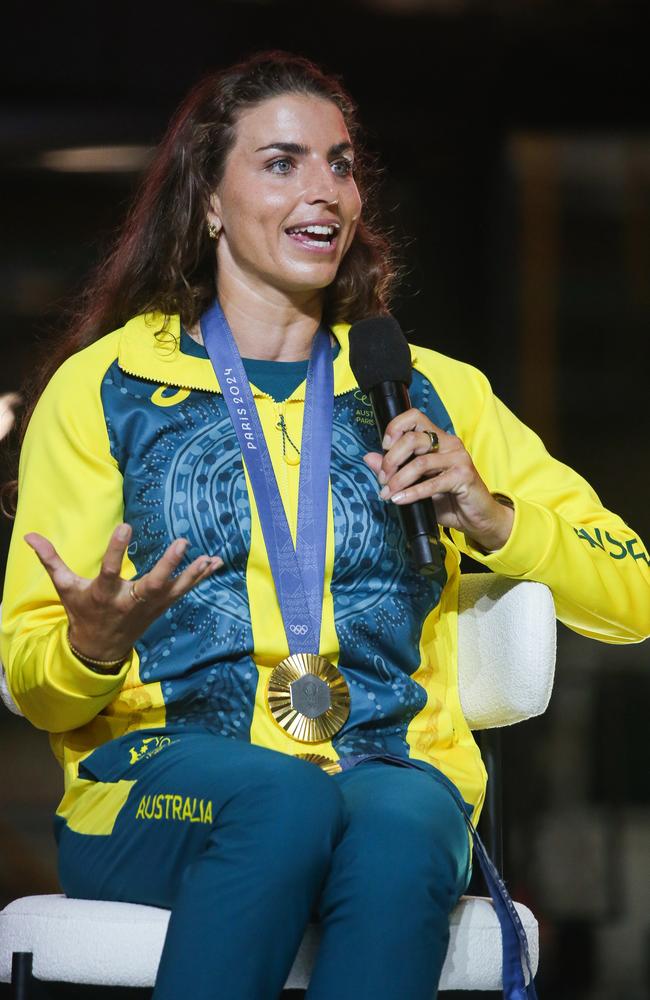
[132, 428]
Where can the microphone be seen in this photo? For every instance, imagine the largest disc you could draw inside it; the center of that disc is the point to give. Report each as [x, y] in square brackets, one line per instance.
[380, 360]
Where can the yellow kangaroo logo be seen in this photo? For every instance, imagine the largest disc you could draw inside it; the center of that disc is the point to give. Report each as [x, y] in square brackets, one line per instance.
[146, 750]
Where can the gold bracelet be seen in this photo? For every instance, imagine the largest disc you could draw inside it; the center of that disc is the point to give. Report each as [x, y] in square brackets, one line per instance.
[104, 664]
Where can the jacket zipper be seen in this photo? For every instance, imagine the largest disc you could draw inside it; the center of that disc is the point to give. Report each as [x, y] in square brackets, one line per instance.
[202, 388]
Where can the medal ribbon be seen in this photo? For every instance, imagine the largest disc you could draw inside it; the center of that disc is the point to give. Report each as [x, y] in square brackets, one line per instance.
[298, 573]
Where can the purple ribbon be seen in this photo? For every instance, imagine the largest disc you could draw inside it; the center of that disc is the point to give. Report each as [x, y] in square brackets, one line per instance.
[298, 573]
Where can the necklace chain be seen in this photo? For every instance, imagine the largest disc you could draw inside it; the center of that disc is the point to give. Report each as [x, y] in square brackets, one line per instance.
[286, 437]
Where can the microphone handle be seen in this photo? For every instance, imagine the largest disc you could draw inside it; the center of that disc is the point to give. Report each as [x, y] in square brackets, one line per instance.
[418, 519]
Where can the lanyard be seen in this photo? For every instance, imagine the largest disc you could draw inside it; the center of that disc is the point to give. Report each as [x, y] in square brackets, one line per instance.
[298, 573]
[514, 942]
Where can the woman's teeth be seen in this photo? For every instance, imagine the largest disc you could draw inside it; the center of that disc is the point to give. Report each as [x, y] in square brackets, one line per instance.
[319, 230]
[326, 234]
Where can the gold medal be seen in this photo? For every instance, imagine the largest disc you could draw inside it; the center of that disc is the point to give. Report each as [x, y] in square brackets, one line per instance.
[308, 697]
[325, 763]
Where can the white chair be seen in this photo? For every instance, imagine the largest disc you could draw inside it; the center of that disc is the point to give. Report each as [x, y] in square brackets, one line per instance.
[506, 637]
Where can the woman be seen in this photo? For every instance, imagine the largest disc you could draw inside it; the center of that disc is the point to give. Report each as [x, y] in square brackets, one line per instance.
[231, 712]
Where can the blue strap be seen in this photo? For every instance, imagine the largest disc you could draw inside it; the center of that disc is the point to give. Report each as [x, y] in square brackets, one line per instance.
[516, 956]
[298, 573]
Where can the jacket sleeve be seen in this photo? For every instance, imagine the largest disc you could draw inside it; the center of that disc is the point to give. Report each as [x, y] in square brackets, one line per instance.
[70, 491]
[596, 567]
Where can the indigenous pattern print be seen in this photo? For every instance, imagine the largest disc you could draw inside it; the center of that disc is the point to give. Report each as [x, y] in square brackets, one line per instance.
[183, 476]
[380, 601]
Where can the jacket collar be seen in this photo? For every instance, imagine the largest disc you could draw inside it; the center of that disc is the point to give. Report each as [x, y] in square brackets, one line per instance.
[149, 347]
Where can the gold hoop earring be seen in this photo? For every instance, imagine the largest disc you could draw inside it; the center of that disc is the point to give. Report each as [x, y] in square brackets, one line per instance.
[214, 232]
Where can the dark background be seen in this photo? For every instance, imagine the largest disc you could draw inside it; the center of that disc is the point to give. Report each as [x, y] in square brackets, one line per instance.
[515, 138]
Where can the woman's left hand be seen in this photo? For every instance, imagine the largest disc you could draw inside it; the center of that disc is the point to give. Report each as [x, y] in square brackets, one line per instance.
[462, 499]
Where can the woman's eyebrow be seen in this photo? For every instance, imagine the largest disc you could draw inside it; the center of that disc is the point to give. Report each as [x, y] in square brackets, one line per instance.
[340, 147]
[299, 149]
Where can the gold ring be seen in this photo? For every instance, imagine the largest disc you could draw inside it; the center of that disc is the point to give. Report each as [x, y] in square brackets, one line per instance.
[136, 596]
[433, 439]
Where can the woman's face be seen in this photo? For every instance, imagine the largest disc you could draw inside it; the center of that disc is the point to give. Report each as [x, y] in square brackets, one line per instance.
[289, 169]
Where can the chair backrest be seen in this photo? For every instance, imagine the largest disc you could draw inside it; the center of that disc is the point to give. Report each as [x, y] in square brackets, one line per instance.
[506, 650]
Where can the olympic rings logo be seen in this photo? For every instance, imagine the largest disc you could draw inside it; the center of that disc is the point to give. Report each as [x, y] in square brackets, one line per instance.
[298, 629]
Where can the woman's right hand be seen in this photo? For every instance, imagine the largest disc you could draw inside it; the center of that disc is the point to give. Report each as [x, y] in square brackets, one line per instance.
[105, 620]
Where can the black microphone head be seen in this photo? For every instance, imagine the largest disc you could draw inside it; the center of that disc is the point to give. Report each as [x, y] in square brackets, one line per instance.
[379, 352]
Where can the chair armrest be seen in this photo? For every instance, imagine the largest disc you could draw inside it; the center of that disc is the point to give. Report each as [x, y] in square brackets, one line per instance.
[506, 649]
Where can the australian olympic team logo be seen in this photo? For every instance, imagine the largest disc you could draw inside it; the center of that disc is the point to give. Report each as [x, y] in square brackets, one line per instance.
[239, 408]
[363, 413]
[149, 747]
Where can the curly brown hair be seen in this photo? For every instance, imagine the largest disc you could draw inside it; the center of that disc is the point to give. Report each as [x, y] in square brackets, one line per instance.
[163, 259]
